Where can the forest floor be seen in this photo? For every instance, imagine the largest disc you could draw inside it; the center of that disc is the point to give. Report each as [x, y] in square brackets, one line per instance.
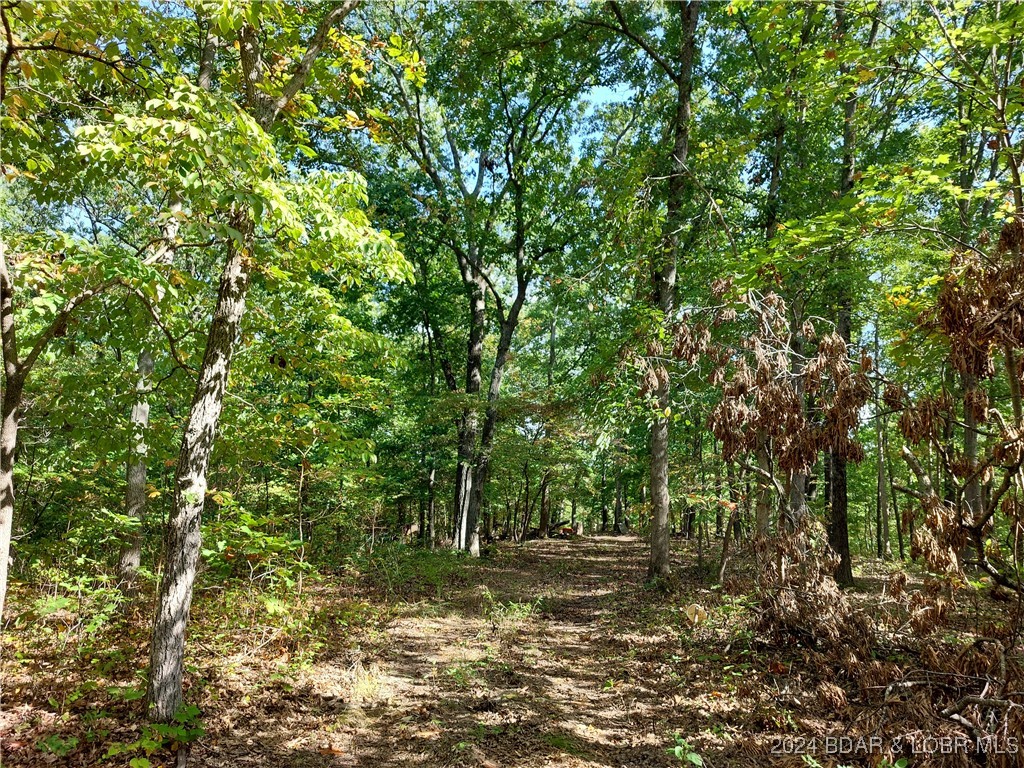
[549, 654]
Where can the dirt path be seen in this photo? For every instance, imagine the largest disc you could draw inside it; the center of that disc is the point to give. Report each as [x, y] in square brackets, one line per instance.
[549, 654]
[546, 660]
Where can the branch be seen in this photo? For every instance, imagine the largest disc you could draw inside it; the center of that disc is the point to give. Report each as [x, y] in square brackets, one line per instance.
[7, 325]
[60, 321]
[753, 468]
[922, 477]
[9, 49]
[456, 160]
[910, 492]
[172, 344]
[623, 29]
[316, 44]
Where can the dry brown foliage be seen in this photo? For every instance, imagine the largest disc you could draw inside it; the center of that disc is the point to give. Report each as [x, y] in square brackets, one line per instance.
[763, 383]
[979, 314]
[800, 599]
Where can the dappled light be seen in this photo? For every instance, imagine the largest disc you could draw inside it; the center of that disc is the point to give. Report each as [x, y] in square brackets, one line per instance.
[511, 384]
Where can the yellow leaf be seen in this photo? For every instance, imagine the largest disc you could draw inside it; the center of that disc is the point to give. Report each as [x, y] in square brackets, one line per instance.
[695, 614]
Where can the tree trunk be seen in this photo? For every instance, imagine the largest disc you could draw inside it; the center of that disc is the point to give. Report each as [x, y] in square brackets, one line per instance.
[402, 514]
[839, 533]
[545, 506]
[508, 324]
[9, 407]
[421, 528]
[183, 537]
[972, 489]
[135, 473]
[430, 503]
[464, 479]
[1013, 378]
[734, 497]
[895, 506]
[482, 464]
[798, 480]
[183, 534]
[763, 508]
[465, 468]
[526, 502]
[617, 520]
[15, 373]
[663, 282]
[604, 493]
[884, 537]
[135, 469]
[726, 542]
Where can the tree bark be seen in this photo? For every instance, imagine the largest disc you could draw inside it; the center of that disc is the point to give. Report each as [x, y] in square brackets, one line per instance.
[9, 407]
[839, 534]
[881, 439]
[1013, 378]
[763, 507]
[14, 383]
[507, 324]
[430, 503]
[604, 493]
[482, 461]
[465, 467]
[135, 468]
[421, 532]
[545, 508]
[839, 531]
[798, 480]
[135, 473]
[15, 374]
[617, 520]
[182, 538]
[663, 283]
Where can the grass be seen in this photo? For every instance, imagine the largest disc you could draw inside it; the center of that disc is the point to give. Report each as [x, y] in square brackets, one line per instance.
[563, 743]
[366, 684]
[465, 674]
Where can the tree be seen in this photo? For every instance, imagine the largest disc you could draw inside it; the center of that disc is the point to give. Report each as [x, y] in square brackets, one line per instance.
[320, 213]
[492, 167]
[48, 44]
[677, 64]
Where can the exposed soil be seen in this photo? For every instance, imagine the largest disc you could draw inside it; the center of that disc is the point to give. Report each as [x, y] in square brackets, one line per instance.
[555, 656]
[549, 654]
[528, 666]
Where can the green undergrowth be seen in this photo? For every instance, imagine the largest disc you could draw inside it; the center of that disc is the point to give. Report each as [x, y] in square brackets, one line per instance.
[75, 649]
[398, 571]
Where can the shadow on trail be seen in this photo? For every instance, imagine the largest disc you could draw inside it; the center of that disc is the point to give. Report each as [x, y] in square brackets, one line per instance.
[534, 663]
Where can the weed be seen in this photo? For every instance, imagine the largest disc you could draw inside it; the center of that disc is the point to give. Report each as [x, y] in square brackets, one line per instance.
[684, 752]
[504, 615]
[465, 674]
[401, 571]
[155, 737]
[366, 684]
[563, 743]
[55, 744]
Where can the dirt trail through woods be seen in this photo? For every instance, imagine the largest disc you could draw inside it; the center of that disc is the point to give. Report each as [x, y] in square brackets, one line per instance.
[544, 661]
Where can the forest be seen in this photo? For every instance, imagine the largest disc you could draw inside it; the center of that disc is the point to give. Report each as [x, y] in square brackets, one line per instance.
[512, 383]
